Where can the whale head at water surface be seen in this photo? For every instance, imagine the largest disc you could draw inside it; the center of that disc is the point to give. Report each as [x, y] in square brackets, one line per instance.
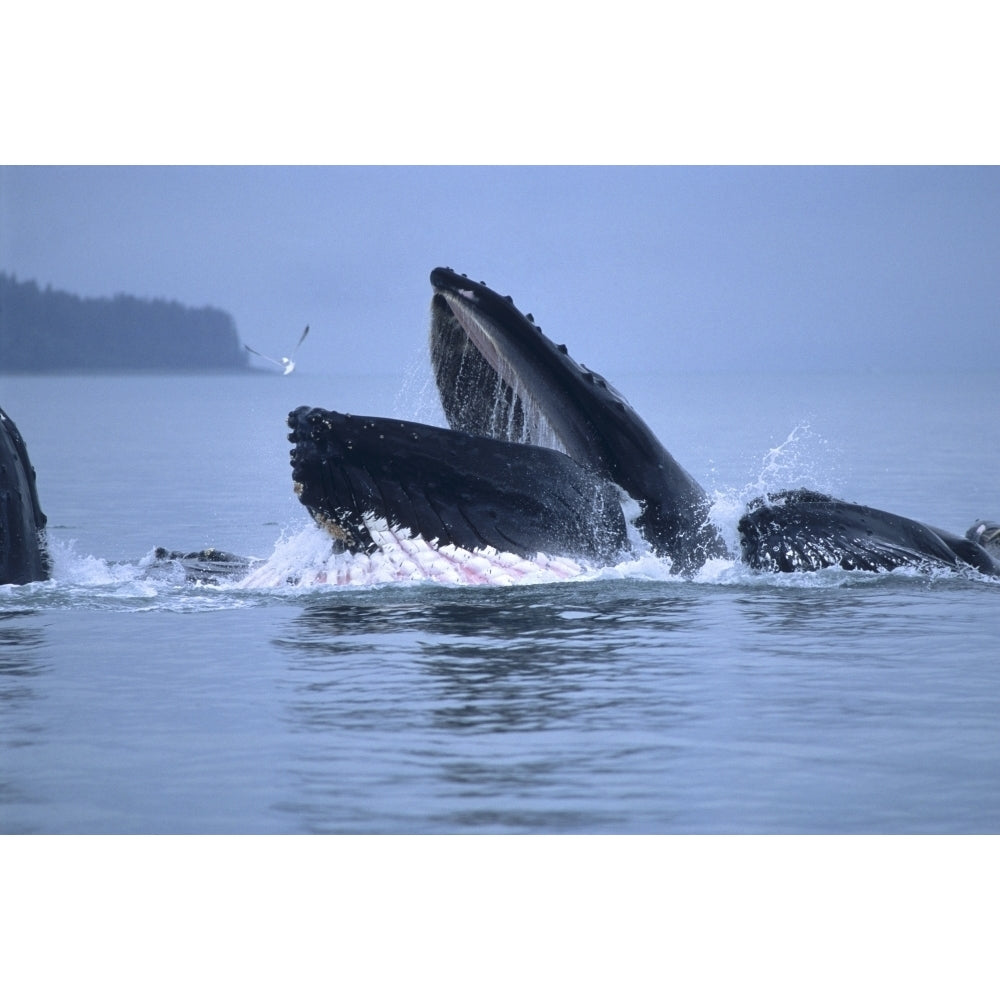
[541, 451]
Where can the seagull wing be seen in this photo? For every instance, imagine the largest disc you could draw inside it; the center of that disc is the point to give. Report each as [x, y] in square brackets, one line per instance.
[299, 344]
[264, 356]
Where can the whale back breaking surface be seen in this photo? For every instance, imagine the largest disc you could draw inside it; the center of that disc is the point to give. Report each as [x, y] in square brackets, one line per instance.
[803, 530]
[498, 374]
[23, 552]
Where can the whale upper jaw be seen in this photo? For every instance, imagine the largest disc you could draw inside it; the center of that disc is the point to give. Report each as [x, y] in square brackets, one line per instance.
[499, 375]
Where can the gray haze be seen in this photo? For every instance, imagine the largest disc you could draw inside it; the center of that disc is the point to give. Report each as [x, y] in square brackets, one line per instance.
[636, 269]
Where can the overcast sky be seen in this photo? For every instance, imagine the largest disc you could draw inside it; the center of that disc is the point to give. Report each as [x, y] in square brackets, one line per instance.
[637, 269]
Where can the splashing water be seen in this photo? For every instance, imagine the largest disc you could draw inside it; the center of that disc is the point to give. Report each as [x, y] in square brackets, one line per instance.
[303, 563]
[794, 461]
[418, 395]
[303, 559]
[792, 464]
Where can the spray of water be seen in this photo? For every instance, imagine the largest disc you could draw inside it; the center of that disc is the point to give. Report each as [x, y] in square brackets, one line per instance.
[418, 396]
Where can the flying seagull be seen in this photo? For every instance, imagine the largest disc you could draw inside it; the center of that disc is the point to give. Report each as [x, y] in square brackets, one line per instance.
[286, 364]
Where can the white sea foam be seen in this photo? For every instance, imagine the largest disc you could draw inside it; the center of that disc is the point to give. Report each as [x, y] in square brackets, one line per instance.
[303, 563]
[307, 559]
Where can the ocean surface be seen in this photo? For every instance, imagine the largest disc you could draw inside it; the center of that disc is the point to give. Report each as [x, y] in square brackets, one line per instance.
[624, 700]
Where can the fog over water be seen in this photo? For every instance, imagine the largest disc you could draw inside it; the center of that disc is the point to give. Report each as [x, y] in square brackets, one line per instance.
[676, 269]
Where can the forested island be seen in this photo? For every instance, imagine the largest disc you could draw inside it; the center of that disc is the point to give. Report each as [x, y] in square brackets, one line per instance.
[43, 330]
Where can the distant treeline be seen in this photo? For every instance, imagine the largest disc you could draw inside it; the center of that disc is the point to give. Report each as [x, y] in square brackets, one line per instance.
[42, 330]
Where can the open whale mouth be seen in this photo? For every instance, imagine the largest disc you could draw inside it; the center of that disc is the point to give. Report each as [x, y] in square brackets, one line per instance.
[498, 375]
[538, 455]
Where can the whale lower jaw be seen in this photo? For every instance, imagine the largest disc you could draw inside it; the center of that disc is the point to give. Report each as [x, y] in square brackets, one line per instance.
[448, 488]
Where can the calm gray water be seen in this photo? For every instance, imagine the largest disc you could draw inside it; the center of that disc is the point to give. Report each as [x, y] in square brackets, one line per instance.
[629, 702]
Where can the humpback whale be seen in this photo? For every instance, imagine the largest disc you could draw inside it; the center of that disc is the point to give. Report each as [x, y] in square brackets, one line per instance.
[23, 552]
[540, 454]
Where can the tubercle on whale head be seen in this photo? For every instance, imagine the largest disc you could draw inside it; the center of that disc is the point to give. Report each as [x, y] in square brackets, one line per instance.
[444, 280]
[313, 464]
